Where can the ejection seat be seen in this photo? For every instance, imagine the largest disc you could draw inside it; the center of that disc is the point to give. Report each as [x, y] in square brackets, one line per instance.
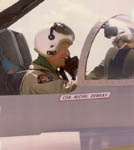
[119, 63]
[15, 48]
[14, 56]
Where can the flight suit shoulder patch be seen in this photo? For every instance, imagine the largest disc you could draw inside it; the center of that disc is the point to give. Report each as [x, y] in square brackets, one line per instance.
[42, 78]
[45, 76]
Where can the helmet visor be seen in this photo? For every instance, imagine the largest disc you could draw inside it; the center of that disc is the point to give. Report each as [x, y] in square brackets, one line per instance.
[64, 29]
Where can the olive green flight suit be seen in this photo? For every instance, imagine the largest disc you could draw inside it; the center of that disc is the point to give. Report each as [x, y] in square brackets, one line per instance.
[41, 78]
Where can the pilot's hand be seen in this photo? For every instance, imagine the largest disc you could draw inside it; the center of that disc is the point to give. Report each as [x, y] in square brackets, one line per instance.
[71, 66]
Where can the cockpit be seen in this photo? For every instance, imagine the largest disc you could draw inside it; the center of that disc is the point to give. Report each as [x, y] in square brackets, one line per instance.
[106, 58]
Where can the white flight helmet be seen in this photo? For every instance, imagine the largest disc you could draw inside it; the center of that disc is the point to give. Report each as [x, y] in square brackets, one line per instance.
[48, 40]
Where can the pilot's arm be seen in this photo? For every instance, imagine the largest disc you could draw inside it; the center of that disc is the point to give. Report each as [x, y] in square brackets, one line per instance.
[97, 73]
[41, 83]
[52, 87]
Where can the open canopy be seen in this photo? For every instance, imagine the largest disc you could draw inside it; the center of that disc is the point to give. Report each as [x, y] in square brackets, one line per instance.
[17, 10]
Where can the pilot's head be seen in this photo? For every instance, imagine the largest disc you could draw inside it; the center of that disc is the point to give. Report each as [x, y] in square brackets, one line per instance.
[124, 40]
[53, 43]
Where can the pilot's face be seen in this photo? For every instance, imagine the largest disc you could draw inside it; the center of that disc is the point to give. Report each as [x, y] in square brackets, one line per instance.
[61, 55]
[120, 44]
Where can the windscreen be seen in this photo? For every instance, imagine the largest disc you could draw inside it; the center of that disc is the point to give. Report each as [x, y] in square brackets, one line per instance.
[112, 52]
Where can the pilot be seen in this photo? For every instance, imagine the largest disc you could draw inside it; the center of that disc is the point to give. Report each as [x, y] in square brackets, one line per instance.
[118, 62]
[52, 45]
